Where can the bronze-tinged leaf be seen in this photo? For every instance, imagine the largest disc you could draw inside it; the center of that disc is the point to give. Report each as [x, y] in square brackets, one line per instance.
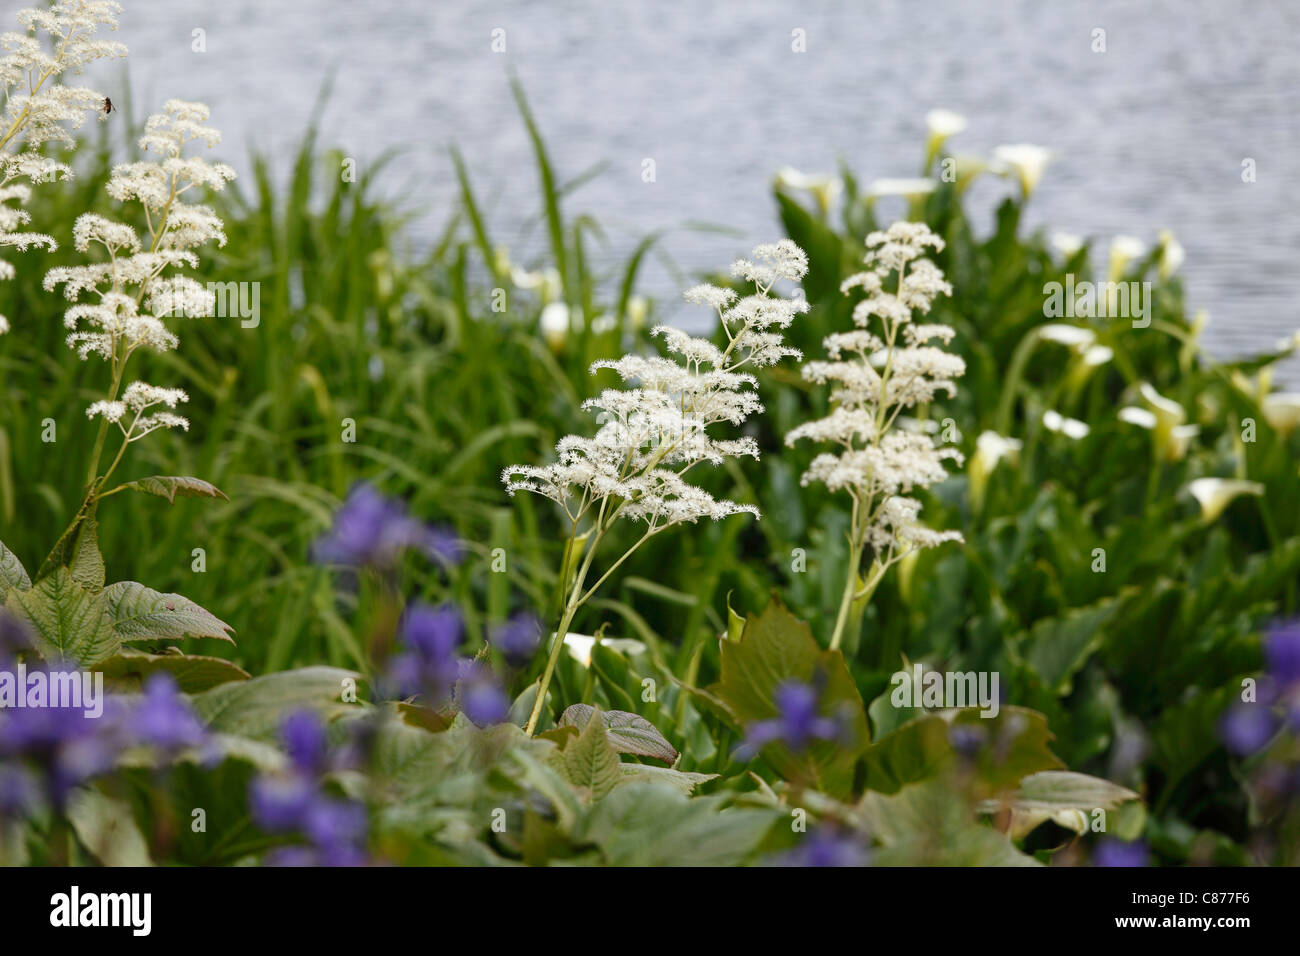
[172, 486]
[628, 733]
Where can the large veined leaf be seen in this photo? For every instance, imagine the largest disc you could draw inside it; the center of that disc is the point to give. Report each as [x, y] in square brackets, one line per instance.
[107, 828]
[129, 668]
[1057, 647]
[928, 824]
[13, 576]
[68, 621]
[140, 613]
[256, 708]
[173, 486]
[685, 781]
[915, 751]
[649, 824]
[628, 733]
[776, 647]
[85, 563]
[1064, 797]
[1066, 790]
[589, 761]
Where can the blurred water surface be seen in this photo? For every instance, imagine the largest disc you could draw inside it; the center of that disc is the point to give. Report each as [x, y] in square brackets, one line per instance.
[1150, 134]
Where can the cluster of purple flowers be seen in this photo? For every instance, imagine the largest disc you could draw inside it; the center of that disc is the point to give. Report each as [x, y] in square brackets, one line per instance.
[373, 531]
[429, 666]
[296, 803]
[1117, 853]
[1248, 727]
[47, 751]
[827, 846]
[798, 722]
[517, 639]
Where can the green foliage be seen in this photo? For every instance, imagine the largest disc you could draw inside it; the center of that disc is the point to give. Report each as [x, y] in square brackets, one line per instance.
[445, 391]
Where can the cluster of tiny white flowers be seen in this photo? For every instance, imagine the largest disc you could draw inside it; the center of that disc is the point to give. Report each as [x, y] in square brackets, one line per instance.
[39, 110]
[656, 429]
[874, 377]
[132, 291]
[137, 398]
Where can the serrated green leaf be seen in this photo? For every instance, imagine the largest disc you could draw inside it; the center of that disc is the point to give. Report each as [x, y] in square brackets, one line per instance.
[140, 613]
[130, 668]
[915, 751]
[173, 486]
[69, 622]
[86, 564]
[589, 761]
[628, 733]
[685, 781]
[13, 576]
[650, 824]
[776, 647]
[1066, 798]
[1057, 647]
[255, 708]
[1066, 790]
[107, 828]
[928, 824]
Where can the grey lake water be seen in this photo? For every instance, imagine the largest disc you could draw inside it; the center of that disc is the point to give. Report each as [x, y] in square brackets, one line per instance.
[1150, 134]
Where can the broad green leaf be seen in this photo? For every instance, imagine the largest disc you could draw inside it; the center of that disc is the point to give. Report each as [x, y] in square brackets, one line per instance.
[128, 669]
[684, 781]
[13, 576]
[140, 613]
[256, 708]
[628, 733]
[1017, 742]
[1186, 733]
[776, 647]
[649, 824]
[1066, 798]
[1066, 790]
[106, 827]
[173, 486]
[69, 622]
[928, 824]
[1057, 647]
[86, 564]
[589, 761]
[915, 751]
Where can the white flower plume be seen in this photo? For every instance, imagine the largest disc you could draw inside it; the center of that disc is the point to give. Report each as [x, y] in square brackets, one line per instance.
[657, 428]
[39, 109]
[873, 377]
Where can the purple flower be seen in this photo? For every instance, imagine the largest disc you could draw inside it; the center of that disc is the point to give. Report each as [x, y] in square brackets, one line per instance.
[66, 745]
[517, 638]
[798, 723]
[20, 791]
[280, 804]
[826, 846]
[1282, 652]
[428, 664]
[1116, 853]
[306, 742]
[334, 824]
[163, 718]
[1246, 728]
[371, 530]
[967, 740]
[479, 696]
[14, 635]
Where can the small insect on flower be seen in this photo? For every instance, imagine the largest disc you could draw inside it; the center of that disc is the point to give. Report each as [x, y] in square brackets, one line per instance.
[108, 106]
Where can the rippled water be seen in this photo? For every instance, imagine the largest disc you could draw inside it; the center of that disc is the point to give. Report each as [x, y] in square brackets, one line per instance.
[1150, 134]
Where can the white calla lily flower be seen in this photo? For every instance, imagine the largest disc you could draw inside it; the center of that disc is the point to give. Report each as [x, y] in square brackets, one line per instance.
[1215, 494]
